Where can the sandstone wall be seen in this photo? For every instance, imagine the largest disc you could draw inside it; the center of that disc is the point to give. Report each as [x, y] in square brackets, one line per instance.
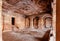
[7, 21]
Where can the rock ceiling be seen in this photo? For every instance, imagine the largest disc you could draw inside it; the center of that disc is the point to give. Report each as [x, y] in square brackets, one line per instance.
[26, 7]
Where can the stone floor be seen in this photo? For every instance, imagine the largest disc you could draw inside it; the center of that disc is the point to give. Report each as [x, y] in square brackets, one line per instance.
[24, 36]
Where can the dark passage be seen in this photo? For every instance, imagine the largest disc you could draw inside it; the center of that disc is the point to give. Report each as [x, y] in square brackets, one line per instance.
[13, 21]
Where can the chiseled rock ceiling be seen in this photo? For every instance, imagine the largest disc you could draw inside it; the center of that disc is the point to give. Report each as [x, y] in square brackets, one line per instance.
[26, 7]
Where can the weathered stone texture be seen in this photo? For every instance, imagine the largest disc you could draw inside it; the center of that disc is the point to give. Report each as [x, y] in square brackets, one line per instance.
[7, 21]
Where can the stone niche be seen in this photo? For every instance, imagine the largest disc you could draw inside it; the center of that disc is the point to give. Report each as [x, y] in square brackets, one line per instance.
[39, 21]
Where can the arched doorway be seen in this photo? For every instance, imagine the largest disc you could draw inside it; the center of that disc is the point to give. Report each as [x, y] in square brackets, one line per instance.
[35, 22]
[27, 22]
[48, 22]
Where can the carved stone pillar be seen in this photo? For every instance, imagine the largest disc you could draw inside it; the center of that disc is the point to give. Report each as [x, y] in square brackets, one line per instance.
[31, 23]
[39, 24]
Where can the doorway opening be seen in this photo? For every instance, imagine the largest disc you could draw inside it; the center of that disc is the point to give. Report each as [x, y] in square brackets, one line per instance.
[35, 22]
[13, 21]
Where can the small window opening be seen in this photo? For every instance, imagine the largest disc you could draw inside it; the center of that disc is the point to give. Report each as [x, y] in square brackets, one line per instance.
[13, 21]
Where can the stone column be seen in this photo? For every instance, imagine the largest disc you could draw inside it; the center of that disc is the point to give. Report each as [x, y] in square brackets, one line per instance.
[42, 23]
[31, 23]
[39, 24]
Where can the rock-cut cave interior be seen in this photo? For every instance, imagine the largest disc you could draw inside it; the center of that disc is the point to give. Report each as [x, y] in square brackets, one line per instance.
[27, 20]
